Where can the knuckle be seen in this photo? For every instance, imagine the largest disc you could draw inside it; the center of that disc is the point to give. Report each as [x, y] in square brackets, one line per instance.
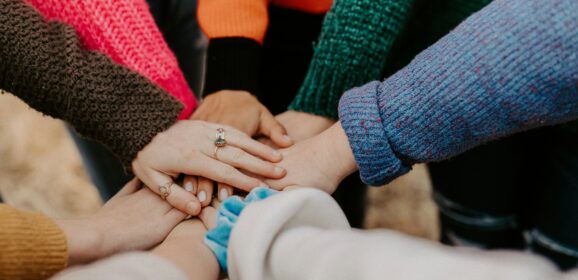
[229, 173]
[237, 155]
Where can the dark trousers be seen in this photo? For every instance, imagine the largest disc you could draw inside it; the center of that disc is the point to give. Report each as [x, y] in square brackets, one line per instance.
[518, 193]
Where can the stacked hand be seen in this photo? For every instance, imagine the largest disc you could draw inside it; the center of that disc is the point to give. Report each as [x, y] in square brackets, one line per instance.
[322, 162]
[242, 111]
[188, 147]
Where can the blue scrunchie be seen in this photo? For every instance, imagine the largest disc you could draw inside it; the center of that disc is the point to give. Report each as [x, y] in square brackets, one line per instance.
[217, 239]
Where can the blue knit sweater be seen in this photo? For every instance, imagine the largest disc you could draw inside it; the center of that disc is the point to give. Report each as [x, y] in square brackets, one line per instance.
[512, 66]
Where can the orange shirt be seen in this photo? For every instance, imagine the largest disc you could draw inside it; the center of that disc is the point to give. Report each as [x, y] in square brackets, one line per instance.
[247, 18]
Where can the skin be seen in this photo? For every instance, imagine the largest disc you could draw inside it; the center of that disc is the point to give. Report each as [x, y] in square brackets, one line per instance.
[302, 126]
[241, 110]
[134, 219]
[188, 148]
[322, 162]
[185, 247]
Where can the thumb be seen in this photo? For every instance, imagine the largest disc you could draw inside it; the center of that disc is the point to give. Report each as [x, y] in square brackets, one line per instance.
[272, 129]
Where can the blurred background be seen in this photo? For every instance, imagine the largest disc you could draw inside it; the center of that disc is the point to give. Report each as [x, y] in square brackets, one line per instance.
[40, 170]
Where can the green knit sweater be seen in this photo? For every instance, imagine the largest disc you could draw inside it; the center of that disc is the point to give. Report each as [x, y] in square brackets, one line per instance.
[360, 36]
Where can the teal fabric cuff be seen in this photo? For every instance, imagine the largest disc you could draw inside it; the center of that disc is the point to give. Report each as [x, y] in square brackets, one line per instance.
[217, 239]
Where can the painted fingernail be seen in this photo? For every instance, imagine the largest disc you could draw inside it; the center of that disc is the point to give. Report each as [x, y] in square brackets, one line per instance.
[202, 196]
[192, 208]
[279, 170]
[189, 187]
[287, 138]
[223, 194]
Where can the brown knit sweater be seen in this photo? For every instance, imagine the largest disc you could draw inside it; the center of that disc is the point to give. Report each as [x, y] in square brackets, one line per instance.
[43, 64]
[31, 245]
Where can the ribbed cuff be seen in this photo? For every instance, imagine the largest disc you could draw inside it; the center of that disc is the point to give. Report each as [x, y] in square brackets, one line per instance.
[359, 115]
[217, 239]
[355, 41]
[33, 246]
[320, 92]
[233, 63]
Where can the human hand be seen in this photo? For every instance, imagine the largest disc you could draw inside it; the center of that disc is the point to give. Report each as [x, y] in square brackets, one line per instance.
[134, 219]
[301, 125]
[321, 162]
[185, 248]
[240, 110]
[188, 148]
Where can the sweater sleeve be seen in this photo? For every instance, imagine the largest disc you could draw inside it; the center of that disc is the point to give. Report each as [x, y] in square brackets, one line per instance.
[272, 237]
[236, 30]
[32, 246]
[125, 266]
[512, 66]
[355, 41]
[126, 32]
[43, 64]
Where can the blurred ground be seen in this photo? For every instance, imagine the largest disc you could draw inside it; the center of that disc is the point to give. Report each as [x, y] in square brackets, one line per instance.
[41, 170]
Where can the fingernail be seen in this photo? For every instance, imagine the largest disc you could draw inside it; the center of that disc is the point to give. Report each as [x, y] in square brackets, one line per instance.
[189, 187]
[192, 208]
[223, 194]
[276, 153]
[279, 170]
[202, 196]
[287, 138]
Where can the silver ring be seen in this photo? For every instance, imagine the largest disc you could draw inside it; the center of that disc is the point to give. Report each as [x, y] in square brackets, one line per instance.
[220, 138]
[165, 190]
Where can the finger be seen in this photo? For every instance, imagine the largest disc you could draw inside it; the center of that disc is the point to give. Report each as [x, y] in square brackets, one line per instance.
[205, 191]
[242, 160]
[174, 216]
[271, 128]
[177, 196]
[212, 169]
[190, 184]
[224, 191]
[131, 187]
[209, 217]
[251, 146]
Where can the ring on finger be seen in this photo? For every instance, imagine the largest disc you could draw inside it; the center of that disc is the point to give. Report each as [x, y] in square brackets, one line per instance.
[216, 152]
[220, 138]
[165, 190]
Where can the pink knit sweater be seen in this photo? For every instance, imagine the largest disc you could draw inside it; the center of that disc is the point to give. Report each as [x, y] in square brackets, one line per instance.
[126, 32]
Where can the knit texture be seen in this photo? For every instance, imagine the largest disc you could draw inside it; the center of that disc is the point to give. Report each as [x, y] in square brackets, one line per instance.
[247, 18]
[32, 246]
[44, 64]
[512, 66]
[356, 38]
[127, 33]
[217, 239]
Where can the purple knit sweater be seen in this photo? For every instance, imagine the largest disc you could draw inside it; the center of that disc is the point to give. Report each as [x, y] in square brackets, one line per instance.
[512, 66]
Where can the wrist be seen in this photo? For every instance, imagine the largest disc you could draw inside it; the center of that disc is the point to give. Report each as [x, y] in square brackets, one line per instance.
[83, 240]
[337, 143]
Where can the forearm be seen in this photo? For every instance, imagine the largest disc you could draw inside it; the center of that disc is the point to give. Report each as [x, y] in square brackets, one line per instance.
[83, 241]
[355, 41]
[236, 32]
[43, 64]
[126, 32]
[508, 68]
[195, 259]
